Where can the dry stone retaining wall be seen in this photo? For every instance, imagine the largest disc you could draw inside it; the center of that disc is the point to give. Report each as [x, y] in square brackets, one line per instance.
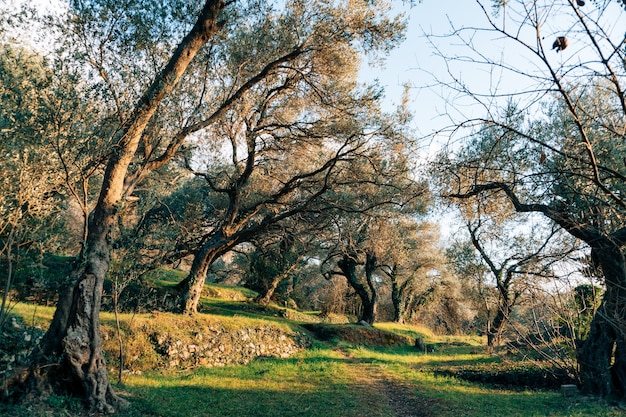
[217, 346]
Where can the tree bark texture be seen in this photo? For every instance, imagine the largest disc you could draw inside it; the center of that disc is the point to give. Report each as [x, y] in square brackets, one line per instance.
[602, 356]
[347, 265]
[266, 296]
[73, 340]
[494, 331]
[190, 289]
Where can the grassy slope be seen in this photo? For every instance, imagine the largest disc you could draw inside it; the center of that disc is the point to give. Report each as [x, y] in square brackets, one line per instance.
[331, 379]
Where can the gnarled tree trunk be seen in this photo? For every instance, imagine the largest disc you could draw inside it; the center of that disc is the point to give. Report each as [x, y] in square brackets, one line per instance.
[367, 295]
[602, 356]
[190, 289]
[71, 350]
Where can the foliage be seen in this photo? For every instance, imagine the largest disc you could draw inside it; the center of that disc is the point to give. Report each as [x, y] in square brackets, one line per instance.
[554, 149]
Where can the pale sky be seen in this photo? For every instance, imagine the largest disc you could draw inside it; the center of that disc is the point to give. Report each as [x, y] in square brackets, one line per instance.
[414, 59]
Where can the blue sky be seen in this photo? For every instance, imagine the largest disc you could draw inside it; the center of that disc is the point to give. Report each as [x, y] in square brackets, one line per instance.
[415, 61]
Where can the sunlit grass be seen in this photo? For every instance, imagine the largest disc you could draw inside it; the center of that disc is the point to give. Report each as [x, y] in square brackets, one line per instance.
[314, 383]
[33, 314]
[337, 379]
[459, 398]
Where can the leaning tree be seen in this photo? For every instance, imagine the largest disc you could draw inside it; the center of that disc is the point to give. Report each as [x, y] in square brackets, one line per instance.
[161, 73]
[559, 144]
[71, 349]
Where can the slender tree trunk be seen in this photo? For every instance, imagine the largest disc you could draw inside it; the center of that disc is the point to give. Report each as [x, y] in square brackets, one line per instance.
[73, 340]
[396, 299]
[494, 331]
[190, 289]
[370, 266]
[265, 298]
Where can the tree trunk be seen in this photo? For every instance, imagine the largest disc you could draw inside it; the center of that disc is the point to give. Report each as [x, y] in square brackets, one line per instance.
[399, 297]
[368, 302]
[594, 357]
[265, 298]
[602, 356]
[74, 334]
[73, 340]
[190, 289]
[399, 307]
[494, 331]
[370, 266]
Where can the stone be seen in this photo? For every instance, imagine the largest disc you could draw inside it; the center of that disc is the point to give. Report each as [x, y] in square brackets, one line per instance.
[569, 390]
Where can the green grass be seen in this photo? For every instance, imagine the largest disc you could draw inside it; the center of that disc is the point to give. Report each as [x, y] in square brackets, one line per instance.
[323, 382]
[339, 378]
[313, 384]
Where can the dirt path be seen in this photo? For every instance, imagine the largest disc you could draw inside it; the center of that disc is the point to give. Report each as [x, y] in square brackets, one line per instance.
[401, 396]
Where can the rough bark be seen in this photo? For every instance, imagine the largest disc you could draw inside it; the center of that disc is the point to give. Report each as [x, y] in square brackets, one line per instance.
[347, 265]
[190, 289]
[399, 301]
[267, 295]
[73, 342]
[494, 331]
[601, 356]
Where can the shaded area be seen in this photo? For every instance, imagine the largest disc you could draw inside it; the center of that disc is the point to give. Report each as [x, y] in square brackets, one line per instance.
[356, 334]
[514, 378]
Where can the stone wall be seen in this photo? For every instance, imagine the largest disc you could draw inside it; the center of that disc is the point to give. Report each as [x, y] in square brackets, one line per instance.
[217, 346]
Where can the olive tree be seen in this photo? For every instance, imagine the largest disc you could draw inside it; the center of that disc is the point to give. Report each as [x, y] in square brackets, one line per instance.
[73, 340]
[558, 149]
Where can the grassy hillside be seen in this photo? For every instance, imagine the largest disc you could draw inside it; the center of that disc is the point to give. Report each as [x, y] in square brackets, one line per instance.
[347, 371]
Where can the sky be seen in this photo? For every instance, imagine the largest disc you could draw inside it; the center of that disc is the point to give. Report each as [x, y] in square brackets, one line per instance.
[415, 61]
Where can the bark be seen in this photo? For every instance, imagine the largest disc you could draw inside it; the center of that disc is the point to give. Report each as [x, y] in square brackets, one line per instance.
[190, 289]
[347, 265]
[370, 266]
[73, 340]
[398, 301]
[265, 298]
[494, 331]
[602, 356]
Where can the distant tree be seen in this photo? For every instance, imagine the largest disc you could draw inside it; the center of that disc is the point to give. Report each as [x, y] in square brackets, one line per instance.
[366, 245]
[410, 257]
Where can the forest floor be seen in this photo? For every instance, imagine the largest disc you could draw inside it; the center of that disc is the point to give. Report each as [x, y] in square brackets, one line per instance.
[346, 372]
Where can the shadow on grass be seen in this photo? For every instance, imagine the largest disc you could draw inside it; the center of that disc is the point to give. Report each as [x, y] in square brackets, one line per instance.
[314, 385]
[190, 401]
